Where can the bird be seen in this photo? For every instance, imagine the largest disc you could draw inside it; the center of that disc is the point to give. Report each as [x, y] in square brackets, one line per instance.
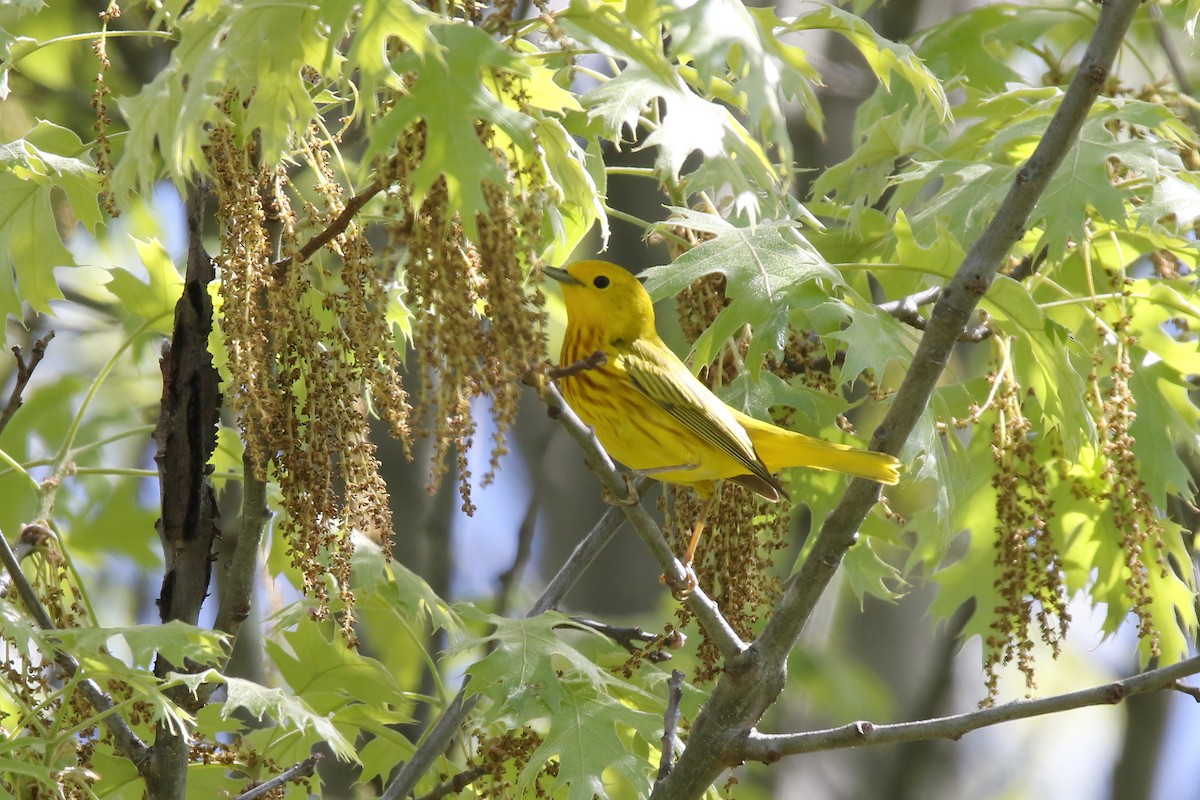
[654, 416]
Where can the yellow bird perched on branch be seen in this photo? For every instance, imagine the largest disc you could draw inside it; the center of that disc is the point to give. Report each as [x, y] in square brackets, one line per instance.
[655, 417]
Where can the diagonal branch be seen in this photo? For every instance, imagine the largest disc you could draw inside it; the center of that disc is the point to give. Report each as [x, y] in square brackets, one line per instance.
[769, 748]
[753, 680]
[24, 373]
[700, 604]
[438, 737]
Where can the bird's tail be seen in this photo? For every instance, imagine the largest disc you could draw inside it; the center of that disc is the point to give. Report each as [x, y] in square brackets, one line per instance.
[780, 449]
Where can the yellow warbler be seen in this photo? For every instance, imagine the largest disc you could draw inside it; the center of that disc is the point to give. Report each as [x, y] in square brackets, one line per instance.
[654, 416]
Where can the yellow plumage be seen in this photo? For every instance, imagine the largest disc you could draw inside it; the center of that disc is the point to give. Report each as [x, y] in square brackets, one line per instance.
[654, 416]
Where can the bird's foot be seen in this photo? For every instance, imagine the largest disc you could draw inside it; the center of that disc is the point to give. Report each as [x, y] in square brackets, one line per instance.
[631, 497]
[681, 590]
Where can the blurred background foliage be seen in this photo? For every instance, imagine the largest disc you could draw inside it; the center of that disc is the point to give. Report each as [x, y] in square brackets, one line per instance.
[778, 175]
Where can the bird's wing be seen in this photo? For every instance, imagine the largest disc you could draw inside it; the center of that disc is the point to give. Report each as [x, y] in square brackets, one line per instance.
[659, 374]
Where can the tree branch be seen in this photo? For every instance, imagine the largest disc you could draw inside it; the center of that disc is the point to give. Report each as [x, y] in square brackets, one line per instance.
[699, 603]
[456, 784]
[753, 680]
[24, 373]
[630, 637]
[438, 736]
[186, 435]
[769, 748]
[304, 769]
[335, 228]
[670, 725]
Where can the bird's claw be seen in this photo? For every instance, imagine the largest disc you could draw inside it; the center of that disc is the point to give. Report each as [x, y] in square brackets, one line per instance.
[631, 497]
[681, 590]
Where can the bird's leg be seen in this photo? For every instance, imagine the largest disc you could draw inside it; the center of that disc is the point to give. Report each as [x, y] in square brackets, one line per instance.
[631, 493]
[699, 529]
[682, 593]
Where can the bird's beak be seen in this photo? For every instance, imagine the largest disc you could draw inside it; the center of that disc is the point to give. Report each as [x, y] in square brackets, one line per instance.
[561, 275]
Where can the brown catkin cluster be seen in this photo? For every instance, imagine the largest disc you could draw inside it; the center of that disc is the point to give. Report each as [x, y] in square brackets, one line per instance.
[303, 340]
[478, 325]
[1136, 522]
[734, 562]
[1029, 572]
[491, 766]
[102, 148]
[44, 702]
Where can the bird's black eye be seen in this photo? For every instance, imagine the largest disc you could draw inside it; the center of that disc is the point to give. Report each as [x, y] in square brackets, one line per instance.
[601, 282]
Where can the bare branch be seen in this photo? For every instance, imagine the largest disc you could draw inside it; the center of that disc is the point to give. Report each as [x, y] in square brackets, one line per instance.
[438, 736]
[239, 585]
[509, 578]
[670, 725]
[632, 638]
[1178, 70]
[24, 373]
[456, 784]
[305, 769]
[335, 228]
[699, 603]
[580, 559]
[127, 742]
[753, 680]
[1191, 691]
[769, 748]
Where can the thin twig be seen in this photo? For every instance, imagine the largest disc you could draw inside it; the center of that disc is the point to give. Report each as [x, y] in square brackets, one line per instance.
[676, 577]
[438, 736]
[456, 784]
[126, 740]
[510, 577]
[594, 361]
[334, 228]
[238, 586]
[580, 559]
[1191, 691]
[304, 769]
[670, 724]
[632, 638]
[31, 539]
[769, 748]
[436, 741]
[908, 309]
[24, 373]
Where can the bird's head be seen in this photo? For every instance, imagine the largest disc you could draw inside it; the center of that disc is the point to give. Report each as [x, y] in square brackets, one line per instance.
[602, 295]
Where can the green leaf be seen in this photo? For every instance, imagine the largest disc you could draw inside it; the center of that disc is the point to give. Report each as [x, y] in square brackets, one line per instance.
[873, 340]
[31, 246]
[724, 41]
[1165, 424]
[586, 738]
[176, 641]
[1054, 379]
[521, 674]
[329, 675]
[533, 674]
[868, 574]
[451, 95]
[885, 58]
[261, 703]
[767, 268]
[373, 25]
[155, 300]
